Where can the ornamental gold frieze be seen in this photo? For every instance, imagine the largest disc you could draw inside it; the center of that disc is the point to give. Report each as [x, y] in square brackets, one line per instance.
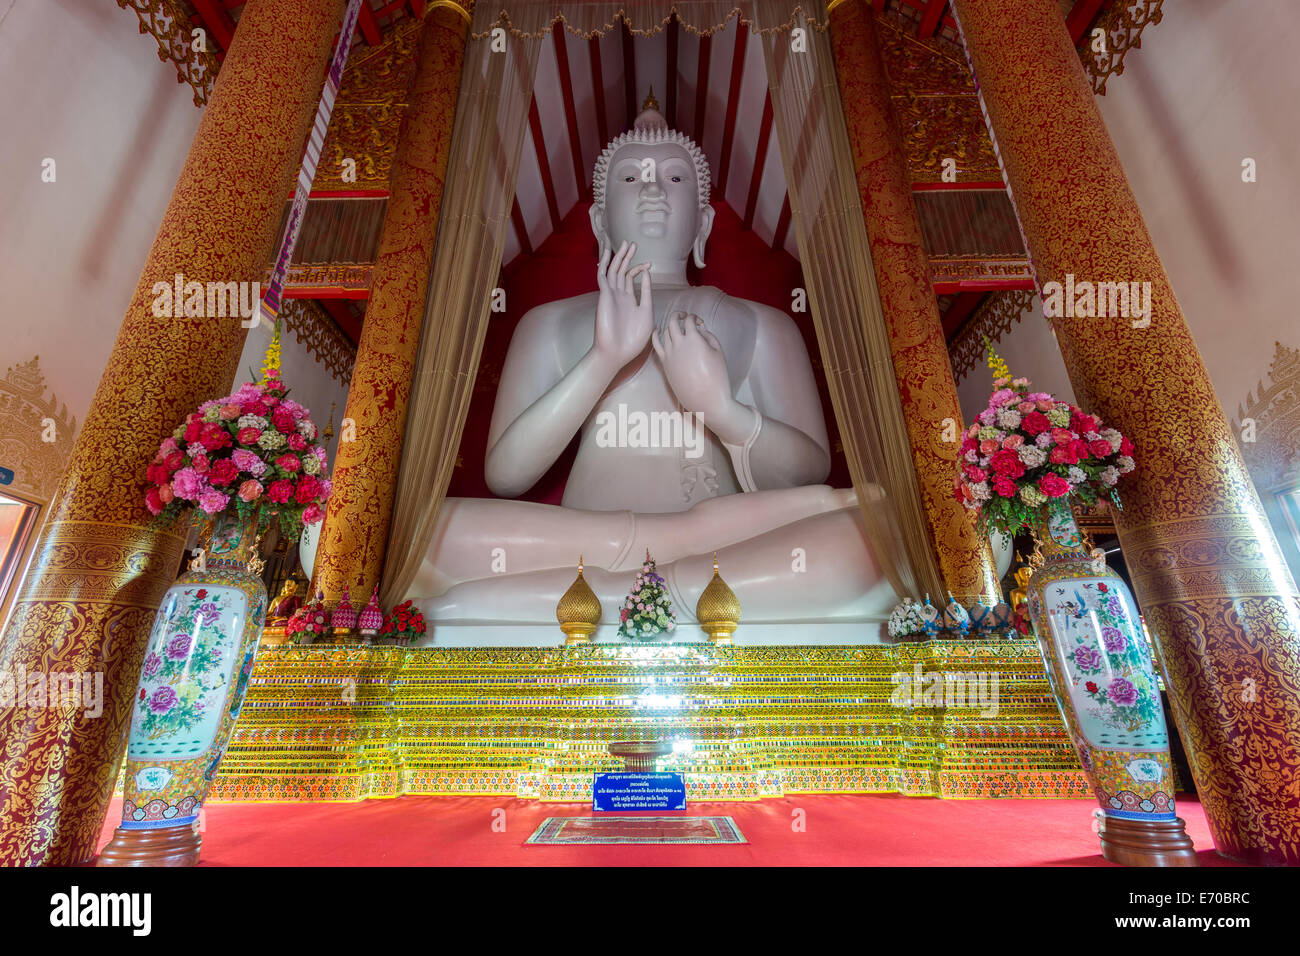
[101, 561]
[979, 269]
[368, 113]
[342, 276]
[1214, 555]
[1122, 23]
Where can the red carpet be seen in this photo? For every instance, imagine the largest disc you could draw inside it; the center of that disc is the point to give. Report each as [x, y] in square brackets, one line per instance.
[831, 830]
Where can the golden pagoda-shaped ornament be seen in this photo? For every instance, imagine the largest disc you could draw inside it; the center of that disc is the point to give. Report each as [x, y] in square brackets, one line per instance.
[718, 609]
[578, 611]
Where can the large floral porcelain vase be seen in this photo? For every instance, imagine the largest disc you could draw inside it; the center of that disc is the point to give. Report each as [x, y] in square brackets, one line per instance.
[1099, 664]
[192, 685]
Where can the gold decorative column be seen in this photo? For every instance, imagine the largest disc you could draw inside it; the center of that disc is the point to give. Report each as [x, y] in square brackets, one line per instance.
[355, 534]
[1205, 565]
[921, 365]
[102, 565]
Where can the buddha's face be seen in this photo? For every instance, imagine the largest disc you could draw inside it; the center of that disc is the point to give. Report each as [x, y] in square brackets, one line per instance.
[652, 199]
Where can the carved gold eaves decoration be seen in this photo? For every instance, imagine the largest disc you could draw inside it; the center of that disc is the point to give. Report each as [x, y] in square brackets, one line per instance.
[167, 23]
[320, 336]
[1122, 22]
[36, 432]
[994, 318]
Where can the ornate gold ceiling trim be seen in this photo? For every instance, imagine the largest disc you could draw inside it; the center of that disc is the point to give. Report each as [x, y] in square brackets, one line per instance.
[1123, 21]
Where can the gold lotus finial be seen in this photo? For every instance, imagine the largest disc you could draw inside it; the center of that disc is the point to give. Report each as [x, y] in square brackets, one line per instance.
[650, 102]
[718, 608]
[579, 610]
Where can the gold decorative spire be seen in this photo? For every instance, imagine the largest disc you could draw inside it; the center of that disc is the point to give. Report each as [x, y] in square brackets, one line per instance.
[650, 102]
[578, 611]
[718, 608]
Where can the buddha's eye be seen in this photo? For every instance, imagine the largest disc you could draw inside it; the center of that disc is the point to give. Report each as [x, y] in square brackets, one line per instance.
[676, 179]
[629, 179]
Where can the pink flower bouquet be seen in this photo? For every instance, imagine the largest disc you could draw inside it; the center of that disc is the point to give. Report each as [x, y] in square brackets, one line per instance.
[1027, 448]
[253, 454]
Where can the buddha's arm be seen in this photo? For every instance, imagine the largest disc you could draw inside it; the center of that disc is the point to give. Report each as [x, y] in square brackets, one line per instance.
[785, 445]
[540, 405]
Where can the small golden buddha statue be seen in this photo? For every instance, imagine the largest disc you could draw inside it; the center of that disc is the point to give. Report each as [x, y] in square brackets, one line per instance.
[718, 609]
[578, 611]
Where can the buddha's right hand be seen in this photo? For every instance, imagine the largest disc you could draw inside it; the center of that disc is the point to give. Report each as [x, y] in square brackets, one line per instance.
[623, 325]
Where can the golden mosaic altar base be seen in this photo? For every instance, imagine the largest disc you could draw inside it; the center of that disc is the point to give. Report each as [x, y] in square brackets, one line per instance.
[341, 723]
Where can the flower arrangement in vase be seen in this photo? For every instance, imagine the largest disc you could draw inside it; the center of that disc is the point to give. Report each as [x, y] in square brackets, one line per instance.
[405, 624]
[239, 463]
[1027, 448]
[647, 612]
[1021, 463]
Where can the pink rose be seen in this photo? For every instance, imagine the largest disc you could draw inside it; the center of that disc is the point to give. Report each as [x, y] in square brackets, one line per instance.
[229, 411]
[1013, 441]
[165, 493]
[988, 446]
[223, 472]
[250, 490]
[248, 436]
[1062, 436]
[188, 484]
[153, 501]
[289, 463]
[307, 491]
[1100, 447]
[312, 513]
[1063, 455]
[1045, 404]
[297, 442]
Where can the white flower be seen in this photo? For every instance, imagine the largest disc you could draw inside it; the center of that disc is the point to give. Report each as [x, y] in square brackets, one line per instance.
[1114, 437]
[972, 456]
[1031, 456]
[1008, 418]
[1110, 474]
[310, 464]
[271, 440]
[306, 429]
[1125, 463]
[195, 448]
[979, 491]
[252, 421]
[1076, 475]
[1043, 440]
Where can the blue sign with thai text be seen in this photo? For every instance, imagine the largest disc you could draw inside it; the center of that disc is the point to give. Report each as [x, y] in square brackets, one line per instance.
[639, 791]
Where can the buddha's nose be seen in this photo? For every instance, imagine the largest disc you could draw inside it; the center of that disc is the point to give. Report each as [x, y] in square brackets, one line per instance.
[651, 188]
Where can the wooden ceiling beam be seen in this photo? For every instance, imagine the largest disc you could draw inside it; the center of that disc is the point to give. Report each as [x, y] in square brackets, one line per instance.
[570, 107]
[932, 17]
[368, 26]
[1081, 16]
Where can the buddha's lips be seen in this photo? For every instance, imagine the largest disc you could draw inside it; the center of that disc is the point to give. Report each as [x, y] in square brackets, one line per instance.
[644, 208]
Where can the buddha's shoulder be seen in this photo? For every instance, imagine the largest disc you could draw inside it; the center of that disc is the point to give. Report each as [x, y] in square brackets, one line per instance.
[756, 314]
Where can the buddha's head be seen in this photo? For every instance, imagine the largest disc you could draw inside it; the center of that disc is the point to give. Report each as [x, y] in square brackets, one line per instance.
[651, 187]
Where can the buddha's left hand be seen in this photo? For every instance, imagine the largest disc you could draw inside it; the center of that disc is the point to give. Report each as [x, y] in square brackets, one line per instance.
[697, 373]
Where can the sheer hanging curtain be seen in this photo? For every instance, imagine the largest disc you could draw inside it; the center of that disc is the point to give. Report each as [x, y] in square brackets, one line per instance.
[491, 116]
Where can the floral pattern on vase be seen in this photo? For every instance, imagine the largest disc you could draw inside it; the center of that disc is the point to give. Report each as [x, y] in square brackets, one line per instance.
[192, 683]
[1100, 666]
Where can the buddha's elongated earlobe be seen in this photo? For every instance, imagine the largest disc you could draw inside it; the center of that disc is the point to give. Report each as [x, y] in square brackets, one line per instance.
[702, 236]
[597, 217]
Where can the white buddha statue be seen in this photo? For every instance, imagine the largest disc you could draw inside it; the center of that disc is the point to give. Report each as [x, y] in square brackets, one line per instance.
[700, 429]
